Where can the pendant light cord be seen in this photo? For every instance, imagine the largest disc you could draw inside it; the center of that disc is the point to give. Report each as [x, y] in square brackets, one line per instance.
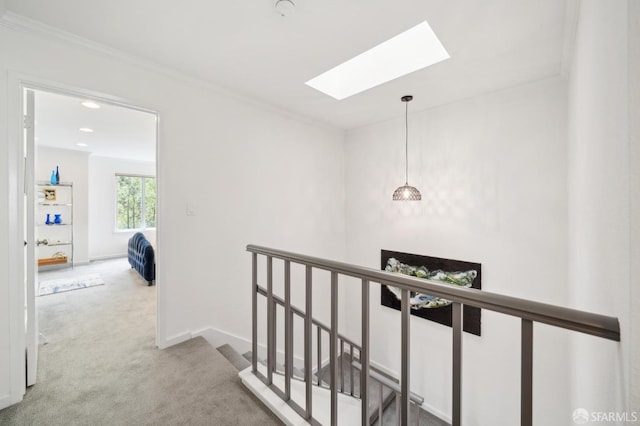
[406, 142]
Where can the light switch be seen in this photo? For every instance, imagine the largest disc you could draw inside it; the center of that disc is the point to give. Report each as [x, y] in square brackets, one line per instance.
[191, 211]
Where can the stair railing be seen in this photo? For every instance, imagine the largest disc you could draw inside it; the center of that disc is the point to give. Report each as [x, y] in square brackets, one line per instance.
[354, 352]
[528, 311]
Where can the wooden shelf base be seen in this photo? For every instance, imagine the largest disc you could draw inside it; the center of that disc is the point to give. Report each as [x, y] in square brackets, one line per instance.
[52, 261]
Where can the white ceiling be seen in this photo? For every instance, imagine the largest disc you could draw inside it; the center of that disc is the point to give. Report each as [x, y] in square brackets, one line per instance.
[117, 131]
[245, 47]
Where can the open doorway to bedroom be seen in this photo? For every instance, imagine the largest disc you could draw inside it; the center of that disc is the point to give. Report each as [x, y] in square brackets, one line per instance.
[94, 175]
[107, 153]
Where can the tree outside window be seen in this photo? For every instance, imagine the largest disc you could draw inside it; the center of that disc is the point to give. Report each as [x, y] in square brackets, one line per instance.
[136, 202]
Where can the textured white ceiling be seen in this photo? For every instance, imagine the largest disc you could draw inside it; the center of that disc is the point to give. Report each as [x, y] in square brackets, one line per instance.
[245, 47]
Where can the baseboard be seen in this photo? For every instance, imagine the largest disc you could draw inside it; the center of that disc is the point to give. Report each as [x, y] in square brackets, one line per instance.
[212, 335]
[217, 337]
[174, 340]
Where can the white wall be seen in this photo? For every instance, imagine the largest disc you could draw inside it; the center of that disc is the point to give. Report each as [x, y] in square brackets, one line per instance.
[252, 174]
[104, 241]
[492, 172]
[94, 197]
[8, 253]
[74, 167]
[599, 204]
[634, 177]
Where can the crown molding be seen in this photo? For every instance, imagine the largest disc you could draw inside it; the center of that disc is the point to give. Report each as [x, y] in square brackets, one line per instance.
[29, 26]
[572, 11]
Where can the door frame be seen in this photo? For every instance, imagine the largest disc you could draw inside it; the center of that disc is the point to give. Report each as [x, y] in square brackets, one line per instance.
[30, 267]
[18, 83]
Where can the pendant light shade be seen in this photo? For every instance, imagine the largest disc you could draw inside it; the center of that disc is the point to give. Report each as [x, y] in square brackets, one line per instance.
[406, 192]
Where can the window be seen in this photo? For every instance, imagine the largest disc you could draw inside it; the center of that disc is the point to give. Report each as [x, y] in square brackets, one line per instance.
[135, 202]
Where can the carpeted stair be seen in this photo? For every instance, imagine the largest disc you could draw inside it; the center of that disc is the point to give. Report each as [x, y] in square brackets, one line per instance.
[237, 360]
[374, 386]
[389, 416]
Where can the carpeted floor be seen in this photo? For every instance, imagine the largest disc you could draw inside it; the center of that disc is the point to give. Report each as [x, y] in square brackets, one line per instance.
[101, 366]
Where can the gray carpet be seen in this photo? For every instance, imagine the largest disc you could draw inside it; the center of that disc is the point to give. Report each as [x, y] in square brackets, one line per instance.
[237, 360]
[101, 366]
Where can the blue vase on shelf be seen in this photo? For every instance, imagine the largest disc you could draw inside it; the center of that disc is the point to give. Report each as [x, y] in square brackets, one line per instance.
[57, 175]
[53, 180]
[57, 219]
[48, 221]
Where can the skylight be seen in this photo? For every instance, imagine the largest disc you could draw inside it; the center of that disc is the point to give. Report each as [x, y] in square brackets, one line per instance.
[414, 49]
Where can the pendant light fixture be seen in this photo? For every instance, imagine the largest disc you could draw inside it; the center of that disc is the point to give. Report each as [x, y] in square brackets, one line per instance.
[406, 192]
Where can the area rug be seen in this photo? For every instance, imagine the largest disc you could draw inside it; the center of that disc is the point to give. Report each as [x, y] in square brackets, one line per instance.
[68, 284]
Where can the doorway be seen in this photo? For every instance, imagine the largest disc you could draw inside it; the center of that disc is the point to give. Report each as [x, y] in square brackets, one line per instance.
[75, 146]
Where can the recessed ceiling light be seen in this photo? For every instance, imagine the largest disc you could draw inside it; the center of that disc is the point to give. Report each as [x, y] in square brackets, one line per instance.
[90, 104]
[81, 144]
[86, 129]
[414, 49]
